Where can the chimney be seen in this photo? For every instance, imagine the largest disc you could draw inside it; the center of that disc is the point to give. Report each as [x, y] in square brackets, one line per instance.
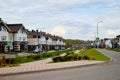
[33, 31]
[36, 30]
[0, 19]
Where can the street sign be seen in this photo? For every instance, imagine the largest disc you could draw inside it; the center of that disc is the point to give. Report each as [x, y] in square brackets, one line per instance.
[9, 43]
[97, 39]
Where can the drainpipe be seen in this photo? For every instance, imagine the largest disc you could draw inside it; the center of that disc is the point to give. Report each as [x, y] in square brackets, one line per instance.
[13, 40]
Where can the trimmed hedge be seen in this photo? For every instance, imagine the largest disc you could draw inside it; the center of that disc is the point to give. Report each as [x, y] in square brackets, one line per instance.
[71, 57]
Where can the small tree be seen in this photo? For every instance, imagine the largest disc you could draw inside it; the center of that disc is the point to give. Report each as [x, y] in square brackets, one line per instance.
[3, 62]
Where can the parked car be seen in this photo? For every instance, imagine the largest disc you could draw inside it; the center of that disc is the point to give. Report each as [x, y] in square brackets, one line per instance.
[57, 48]
[37, 50]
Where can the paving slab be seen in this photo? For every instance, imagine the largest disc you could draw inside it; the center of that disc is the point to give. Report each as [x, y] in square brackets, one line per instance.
[44, 65]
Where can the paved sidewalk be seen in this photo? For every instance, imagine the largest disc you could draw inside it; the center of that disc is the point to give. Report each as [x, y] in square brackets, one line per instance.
[43, 65]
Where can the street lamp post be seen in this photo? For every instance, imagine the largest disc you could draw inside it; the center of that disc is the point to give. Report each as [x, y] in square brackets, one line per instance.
[98, 30]
[97, 38]
[97, 26]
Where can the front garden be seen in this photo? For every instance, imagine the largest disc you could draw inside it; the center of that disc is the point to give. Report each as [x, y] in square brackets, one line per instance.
[34, 57]
[84, 54]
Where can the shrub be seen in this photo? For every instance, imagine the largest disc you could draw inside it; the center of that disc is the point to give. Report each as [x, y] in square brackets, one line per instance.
[11, 61]
[64, 58]
[35, 57]
[75, 57]
[93, 58]
[57, 59]
[86, 57]
[70, 57]
[44, 55]
[28, 56]
[79, 57]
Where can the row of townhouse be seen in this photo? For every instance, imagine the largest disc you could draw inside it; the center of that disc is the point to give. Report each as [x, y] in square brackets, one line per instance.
[107, 43]
[23, 39]
[44, 41]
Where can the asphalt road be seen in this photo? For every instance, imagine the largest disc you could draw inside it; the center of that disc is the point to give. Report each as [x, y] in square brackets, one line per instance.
[107, 71]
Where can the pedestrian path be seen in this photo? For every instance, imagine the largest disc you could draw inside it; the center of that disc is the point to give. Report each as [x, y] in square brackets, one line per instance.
[44, 65]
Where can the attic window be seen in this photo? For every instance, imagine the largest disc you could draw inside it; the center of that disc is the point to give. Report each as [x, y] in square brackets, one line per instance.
[3, 29]
[22, 31]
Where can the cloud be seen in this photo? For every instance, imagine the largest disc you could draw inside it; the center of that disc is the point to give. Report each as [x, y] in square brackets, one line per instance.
[68, 18]
[114, 5]
[74, 29]
[59, 30]
[113, 32]
[66, 3]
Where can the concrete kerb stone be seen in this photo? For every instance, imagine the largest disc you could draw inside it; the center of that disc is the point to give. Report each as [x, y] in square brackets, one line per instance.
[54, 69]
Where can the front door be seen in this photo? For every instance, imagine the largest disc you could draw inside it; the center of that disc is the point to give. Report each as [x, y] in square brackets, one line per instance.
[1, 48]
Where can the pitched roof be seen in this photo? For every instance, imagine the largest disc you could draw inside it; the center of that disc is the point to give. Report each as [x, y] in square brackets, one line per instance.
[15, 27]
[4, 24]
[36, 33]
[118, 36]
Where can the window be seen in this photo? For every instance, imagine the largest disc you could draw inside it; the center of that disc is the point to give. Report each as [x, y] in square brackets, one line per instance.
[22, 31]
[2, 28]
[19, 38]
[24, 39]
[34, 36]
[11, 38]
[3, 38]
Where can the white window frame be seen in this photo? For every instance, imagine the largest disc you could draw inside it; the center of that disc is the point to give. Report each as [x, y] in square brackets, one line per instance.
[24, 38]
[2, 28]
[3, 38]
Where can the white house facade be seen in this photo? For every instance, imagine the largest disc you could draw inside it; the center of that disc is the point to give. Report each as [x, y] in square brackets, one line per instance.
[4, 37]
[18, 35]
[44, 41]
[108, 43]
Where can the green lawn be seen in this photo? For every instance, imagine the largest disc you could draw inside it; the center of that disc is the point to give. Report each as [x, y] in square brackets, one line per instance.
[94, 54]
[36, 57]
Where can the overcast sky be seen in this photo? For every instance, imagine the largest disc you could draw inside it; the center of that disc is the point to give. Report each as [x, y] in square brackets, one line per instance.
[74, 19]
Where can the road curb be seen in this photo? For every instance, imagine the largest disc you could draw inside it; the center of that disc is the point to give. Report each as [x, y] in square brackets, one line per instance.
[54, 69]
